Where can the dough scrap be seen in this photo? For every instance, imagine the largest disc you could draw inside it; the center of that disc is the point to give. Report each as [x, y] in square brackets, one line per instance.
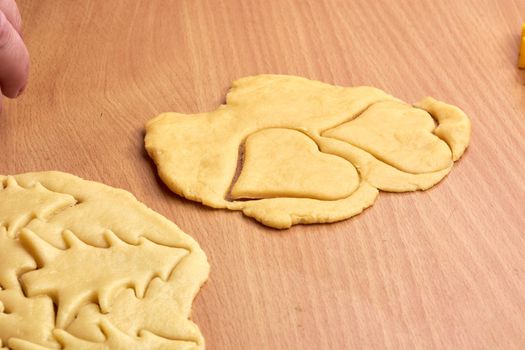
[119, 275]
[277, 149]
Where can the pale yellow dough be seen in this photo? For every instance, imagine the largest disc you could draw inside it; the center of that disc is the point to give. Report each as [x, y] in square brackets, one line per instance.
[87, 266]
[287, 150]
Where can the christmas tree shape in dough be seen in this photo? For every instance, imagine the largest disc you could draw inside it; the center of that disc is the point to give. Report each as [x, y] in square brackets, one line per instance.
[124, 265]
[18, 206]
[256, 153]
[131, 314]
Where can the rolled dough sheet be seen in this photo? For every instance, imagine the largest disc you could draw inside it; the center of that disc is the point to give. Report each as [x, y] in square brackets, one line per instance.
[87, 266]
[287, 150]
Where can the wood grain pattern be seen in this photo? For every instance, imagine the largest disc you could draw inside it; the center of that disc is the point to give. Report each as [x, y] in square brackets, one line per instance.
[442, 269]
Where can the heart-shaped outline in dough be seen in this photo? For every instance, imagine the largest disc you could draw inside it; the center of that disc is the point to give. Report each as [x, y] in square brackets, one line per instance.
[397, 134]
[288, 163]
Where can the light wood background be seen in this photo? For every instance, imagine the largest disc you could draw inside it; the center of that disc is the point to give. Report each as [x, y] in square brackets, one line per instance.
[442, 269]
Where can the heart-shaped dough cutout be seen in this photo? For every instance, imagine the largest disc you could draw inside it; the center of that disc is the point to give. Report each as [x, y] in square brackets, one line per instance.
[399, 135]
[287, 163]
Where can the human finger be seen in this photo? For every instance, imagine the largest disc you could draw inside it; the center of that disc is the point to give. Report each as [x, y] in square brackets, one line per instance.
[10, 10]
[14, 59]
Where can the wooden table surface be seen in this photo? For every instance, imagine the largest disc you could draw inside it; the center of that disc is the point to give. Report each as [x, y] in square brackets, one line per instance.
[441, 269]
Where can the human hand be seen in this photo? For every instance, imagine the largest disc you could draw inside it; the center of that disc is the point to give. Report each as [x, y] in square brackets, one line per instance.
[14, 58]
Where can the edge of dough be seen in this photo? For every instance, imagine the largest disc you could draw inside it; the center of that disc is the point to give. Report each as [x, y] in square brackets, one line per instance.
[454, 127]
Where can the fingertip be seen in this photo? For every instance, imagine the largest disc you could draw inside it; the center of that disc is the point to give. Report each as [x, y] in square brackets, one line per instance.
[14, 60]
